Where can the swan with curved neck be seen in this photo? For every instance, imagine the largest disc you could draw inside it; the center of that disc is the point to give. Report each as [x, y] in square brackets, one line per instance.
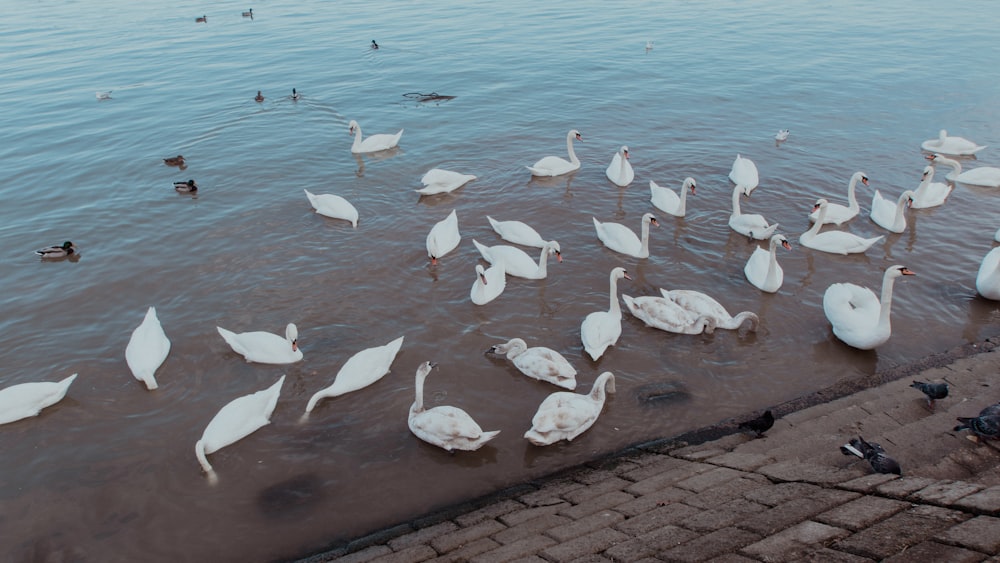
[489, 283]
[751, 224]
[839, 214]
[888, 215]
[670, 202]
[443, 237]
[983, 176]
[557, 166]
[564, 415]
[664, 314]
[988, 277]
[834, 242]
[264, 347]
[859, 318]
[744, 172]
[621, 239]
[930, 193]
[538, 362]
[601, 329]
[762, 268]
[958, 146]
[440, 181]
[620, 170]
[359, 371]
[517, 262]
[444, 426]
[333, 206]
[374, 143]
[700, 304]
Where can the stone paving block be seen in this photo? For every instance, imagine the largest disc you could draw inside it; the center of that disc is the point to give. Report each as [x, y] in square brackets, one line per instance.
[946, 492]
[586, 525]
[904, 486]
[708, 479]
[987, 500]
[933, 552]
[740, 461]
[668, 478]
[899, 532]
[647, 544]
[364, 555]
[731, 558]
[867, 483]
[414, 554]
[596, 504]
[782, 492]
[511, 551]
[792, 543]
[594, 476]
[458, 537]
[982, 533]
[662, 516]
[861, 512]
[728, 491]
[422, 535]
[462, 554]
[648, 502]
[723, 516]
[488, 512]
[794, 511]
[575, 549]
[519, 516]
[653, 464]
[534, 526]
[827, 555]
[710, 545]
[550, 493]
[807, 472]
[584, 494]
[697, 453]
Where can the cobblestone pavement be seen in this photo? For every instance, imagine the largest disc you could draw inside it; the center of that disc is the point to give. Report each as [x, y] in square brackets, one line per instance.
[724, 496]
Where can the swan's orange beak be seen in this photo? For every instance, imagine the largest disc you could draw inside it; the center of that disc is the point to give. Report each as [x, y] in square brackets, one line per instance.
[785, 244]
[434, 261]
[482, 277]
[906, 271]
[864, 180]
[295, 345]
[559, 256]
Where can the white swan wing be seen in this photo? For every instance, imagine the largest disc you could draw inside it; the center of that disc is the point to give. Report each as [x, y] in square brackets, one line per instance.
[443, 236]
[552, 166]
[28, 399]
[517, 232]
[364, 368]
[241, 417]
[851, 307]
[756, 271]
[618, 237]
[931, 194]
[697, 303]
[744, 173]
[496, 282]
[548, 365]
[665, 199]
[333, 206]
[982, 176]
[438, 181]
[261, 347]
[380, 142]
[836, 214]
[599, 330]
[147, 349]
[988, 276]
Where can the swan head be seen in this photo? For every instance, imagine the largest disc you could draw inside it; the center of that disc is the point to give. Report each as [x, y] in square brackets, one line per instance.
[650, 218]
[893, 272]
[820, 203]
[908, 194]
[928, 172]
[576, 135]
[780, 239]
[424, 369]
[292, 335]
[860, 177]
[689, 183]
[707, 322]
[604, 383]
[554, 248]
[624, 152]
[481, 273]
[619, 273]
[512, 348]
[352, 127]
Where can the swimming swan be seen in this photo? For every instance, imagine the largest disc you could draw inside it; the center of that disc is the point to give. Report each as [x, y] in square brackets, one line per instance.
[538, 362]
[889, 215]
[670, 202]
[834, 242]
[983, 176]
[359, 371]
[489, 283]
[147, 349]
[930, 193]
[517, 232]
[333, 206]
[374, 143]
[664, 314]
[516, 262]
[556, 166]
[621, 239]
[762, 268]
[438, 181]
[620, 170]
[752, 225]
[601, 329]
[265, 347]
[988, 277]
[859, 318]
[444, 426]
[958, 146]
[444, 237]
[839, 214]
[744, 173]
[564, 415]
[28, 399]
[701, 304]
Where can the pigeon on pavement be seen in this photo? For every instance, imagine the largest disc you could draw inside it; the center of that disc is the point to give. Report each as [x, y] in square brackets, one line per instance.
[933, 391]
[874, 453]
[983, 426]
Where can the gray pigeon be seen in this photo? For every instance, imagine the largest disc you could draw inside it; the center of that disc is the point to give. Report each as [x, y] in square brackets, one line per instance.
[984, 426]
[933, 391]
[874, 453]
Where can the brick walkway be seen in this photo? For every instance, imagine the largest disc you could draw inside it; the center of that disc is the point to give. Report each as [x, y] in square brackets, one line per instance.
[790, 496]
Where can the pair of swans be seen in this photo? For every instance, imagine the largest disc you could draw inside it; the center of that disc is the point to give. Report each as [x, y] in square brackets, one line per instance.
[744, 173]
[749, 224]
[28, 399]
[762, 268]
[686, 311]
[602, 329]
[564, 415]
[443, 237]
[988, 277]
[538, 362]
[888, 214]
[834, 242]
[517, 232]
[958, 146]
[438, 181]
[489, 283]
[333, 206]
[359, 371]
[930, 193]
[620, 170]
[839, 214]
[859, 318]
[557, 166]
[621, 239]
[516, 262]
[983, 176]
[374, 143]
[147, 349]
[670, 202]
[265, 347]
[444, 426]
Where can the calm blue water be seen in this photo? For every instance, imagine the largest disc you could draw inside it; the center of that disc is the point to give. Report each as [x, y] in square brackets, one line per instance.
[109, 473]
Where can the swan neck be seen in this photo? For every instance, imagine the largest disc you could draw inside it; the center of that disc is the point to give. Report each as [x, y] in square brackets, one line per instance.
[615, 307]
[883, 317]
[418, 401]
[736, 200]
[645, 237]
[621, 173]
[599, 393]
[357, 137]
[543, 261]
[814, 229]
[852, 198]
[569, 148]
[772, 263]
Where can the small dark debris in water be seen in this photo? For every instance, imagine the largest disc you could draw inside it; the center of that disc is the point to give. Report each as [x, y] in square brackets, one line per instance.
[661, 392]
[432, 97]
[292, 498]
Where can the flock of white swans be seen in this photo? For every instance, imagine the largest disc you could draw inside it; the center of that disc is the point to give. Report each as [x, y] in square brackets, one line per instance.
[858, 317]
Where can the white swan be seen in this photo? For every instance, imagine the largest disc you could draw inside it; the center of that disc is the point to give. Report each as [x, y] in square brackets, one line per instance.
[564, 415]
[701, 305]
[752, 225]
[516, 262]
[489, 283]
[28, 399]
[517, 232]
[888, 215]
[762, 268]
[444, 237]
[781, 135]
[839, 214]
[983, 176]
[333, 206]
[235, 421]
[930, 193]
[601, 329]
[557, 166]
[444, 426]
[670, 202]
[147, 349]
[265, 347]
[834, 242]
[620, 170]
[359, 371]
[438, 181]
[663, 314]
[374, 143]
[859, 318]
[538, 362]
[744, 173]
[958, 146]
[988, 277]
[621, 239]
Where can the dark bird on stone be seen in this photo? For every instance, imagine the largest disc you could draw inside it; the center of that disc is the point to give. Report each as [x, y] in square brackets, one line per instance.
[872, 452]
[985, 426]
[933, 391]
[761, 424]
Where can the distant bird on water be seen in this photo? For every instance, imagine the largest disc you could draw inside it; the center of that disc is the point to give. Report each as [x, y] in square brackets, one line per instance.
[104, 95]
[873, 453]
[188, 187]
[202, 19]
[66, 249]
[248, 13]
[174, 161]
[781, 135]
[259, 97]
[649, 45]
[761, 424]
[933, 391]
[295, 95]
[374, 44]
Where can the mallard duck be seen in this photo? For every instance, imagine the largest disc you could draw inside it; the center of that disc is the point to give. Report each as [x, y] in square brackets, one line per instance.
[248, 13]
[174, 161]
[259, 97]
[374, 44]
[202, 19]
[186, 187]
[63, 251]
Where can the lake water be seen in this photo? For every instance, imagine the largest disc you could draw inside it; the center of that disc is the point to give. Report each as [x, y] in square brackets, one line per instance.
[109, 473]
